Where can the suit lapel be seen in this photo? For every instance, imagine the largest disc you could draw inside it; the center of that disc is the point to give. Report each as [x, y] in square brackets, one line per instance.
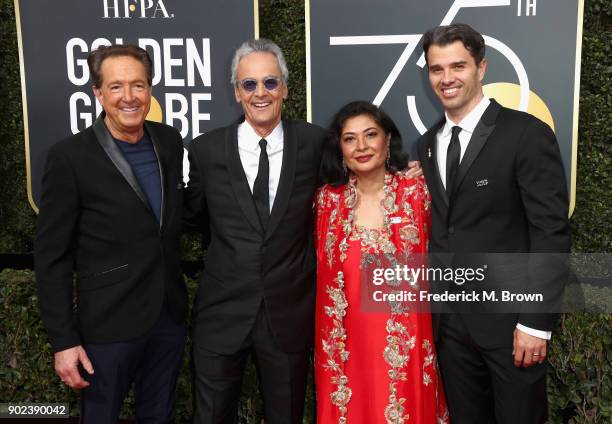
[431, 163]
[114, 153]
[287, 176]
[238, 178]
[162, 162]
[483, 130]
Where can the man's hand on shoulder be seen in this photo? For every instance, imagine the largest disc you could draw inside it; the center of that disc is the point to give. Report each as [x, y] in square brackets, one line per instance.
[528, 350]
[67, 366]
[414, 169]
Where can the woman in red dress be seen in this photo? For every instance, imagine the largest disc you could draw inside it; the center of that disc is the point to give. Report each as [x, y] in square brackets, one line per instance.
[371, 366]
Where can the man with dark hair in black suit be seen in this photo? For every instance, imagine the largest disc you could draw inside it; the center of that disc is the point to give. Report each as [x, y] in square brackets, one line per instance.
[497, 185]
[111, 212]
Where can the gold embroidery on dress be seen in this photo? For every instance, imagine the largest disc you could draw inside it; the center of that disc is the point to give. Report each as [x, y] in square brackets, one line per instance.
[399, 342]
[389, 202]
[377, 239]
[397, 355]
[429, 360]
[373, 240]
[442, 416]
[409, 233]
[350, 202]
[330, 239]
[335, 347]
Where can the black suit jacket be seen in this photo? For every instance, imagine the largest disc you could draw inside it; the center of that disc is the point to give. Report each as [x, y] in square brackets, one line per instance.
[509, 196]
[245, 264]
[95, 220]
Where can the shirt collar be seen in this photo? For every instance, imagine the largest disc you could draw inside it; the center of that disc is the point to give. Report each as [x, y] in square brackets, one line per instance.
[467, 124]
[248, 139]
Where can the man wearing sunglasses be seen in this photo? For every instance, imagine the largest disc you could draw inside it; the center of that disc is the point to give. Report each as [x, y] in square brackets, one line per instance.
[250, 192]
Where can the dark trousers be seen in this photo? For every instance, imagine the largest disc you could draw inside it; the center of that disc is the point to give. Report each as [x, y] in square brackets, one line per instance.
[482, 385]
[281, 375]
[151, 362]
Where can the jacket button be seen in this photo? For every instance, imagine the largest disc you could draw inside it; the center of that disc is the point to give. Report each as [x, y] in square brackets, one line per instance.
[451, 230]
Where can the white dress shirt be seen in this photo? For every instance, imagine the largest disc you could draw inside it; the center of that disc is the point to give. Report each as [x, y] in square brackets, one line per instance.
[248, 148]
[468, 124]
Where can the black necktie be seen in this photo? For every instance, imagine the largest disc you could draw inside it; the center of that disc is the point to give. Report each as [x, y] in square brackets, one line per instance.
[452, 159]
[261, 191]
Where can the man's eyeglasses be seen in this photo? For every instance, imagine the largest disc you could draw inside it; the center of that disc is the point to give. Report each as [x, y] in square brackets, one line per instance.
[250, 84]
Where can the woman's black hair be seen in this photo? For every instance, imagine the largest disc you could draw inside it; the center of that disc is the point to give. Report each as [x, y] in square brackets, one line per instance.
[332, 171]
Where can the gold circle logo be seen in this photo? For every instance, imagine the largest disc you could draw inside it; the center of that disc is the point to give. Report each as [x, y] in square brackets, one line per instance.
[509, 95]
[155, 112]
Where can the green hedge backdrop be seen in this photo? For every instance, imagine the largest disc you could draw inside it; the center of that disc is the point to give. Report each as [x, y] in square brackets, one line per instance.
[580, 384]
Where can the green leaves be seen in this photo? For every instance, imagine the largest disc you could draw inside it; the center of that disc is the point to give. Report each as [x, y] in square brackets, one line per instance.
[592, 220]
[26, 360]
[580, 384]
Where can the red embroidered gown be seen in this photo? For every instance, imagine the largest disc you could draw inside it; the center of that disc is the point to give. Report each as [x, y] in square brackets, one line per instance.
[372, 367]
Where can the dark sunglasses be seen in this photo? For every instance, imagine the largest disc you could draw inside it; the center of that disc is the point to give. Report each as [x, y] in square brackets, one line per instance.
[250, 84]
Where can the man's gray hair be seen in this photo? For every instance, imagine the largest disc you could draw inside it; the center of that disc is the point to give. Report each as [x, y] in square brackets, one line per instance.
[261, 45]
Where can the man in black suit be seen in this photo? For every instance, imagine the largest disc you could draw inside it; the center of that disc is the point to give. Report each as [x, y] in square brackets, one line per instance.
[251, 187]
[111, 212]
[497, 186]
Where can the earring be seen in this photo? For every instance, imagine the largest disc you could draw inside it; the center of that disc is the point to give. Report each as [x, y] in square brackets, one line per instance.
[388, 160]
[344, 167]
